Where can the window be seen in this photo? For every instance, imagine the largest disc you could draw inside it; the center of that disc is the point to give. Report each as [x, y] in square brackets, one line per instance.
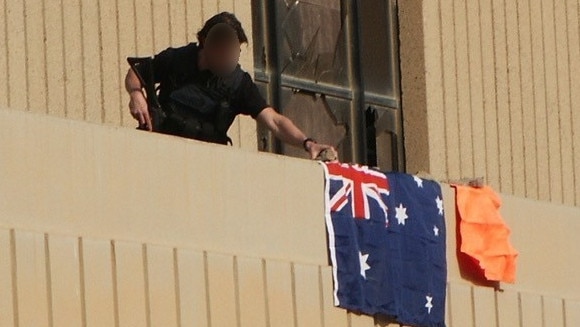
[332, 67]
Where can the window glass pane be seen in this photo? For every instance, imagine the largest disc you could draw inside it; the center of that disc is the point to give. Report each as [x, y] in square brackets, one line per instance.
[258, 36]
[313, 115]
[313, 44]
[375, 46]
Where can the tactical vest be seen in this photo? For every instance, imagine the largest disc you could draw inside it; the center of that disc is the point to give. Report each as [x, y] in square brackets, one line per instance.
[201, 110]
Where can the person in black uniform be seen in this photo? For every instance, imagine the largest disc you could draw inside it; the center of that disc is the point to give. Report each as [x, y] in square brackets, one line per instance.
[202, 88]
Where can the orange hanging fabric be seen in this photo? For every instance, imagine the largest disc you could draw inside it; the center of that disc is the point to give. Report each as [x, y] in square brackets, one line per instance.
[484, 234]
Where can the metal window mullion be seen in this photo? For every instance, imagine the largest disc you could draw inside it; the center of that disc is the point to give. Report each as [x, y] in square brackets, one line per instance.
[394, 40]
[326, 89]
[273, 42]
[399, 160]
[358, 125]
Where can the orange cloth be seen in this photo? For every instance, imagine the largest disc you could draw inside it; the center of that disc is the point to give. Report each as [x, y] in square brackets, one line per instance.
[484, 234]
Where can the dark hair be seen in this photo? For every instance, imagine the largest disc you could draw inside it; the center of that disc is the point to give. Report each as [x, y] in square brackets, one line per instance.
[222, 18]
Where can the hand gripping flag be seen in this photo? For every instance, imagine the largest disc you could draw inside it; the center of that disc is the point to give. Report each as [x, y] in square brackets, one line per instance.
[387, 244]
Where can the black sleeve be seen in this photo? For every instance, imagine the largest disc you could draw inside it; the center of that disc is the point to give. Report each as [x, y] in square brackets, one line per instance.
[162, 63]
[249, 101]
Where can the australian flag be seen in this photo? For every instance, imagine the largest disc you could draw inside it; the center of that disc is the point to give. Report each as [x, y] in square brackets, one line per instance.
[387, 244]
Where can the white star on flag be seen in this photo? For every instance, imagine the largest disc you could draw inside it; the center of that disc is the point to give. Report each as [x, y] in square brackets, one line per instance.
[439, 205]
[436, 230]
[364, 266]
[401, 214]
[429, 304]
[419, 181]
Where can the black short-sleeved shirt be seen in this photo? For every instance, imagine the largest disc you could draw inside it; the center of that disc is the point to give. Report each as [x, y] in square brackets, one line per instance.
[178, 67]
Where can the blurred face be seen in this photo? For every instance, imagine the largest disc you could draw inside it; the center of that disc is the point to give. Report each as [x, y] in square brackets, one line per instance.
[222, 49]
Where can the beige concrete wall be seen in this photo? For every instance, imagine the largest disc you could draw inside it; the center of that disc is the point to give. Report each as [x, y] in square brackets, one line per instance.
[68, 58]
[113, 226]
[488, 85]
[490, 89]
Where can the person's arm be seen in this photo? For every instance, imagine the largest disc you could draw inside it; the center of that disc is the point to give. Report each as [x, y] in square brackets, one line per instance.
[138, 103]
[285, 130]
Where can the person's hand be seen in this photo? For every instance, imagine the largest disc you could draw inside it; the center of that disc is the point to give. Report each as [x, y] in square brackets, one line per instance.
[139, 110]
[316, 149]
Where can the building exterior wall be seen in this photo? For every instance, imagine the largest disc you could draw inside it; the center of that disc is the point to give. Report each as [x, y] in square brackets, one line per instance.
[68, 59]
[113, 226]
[490, 89]
[98, 227]
[490, 81]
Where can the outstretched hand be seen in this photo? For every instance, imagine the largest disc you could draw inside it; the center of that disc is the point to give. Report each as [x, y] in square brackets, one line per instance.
[322, 152]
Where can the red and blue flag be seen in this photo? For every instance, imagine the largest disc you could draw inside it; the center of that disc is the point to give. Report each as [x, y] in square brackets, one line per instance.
[387, 244]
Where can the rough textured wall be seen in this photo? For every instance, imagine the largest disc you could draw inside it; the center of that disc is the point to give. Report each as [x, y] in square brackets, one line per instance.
[91, 233]
[490, 89]
[67, 58]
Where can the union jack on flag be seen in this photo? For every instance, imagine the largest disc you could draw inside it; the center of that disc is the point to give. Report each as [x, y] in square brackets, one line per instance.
[386, 234]
[360, 184]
